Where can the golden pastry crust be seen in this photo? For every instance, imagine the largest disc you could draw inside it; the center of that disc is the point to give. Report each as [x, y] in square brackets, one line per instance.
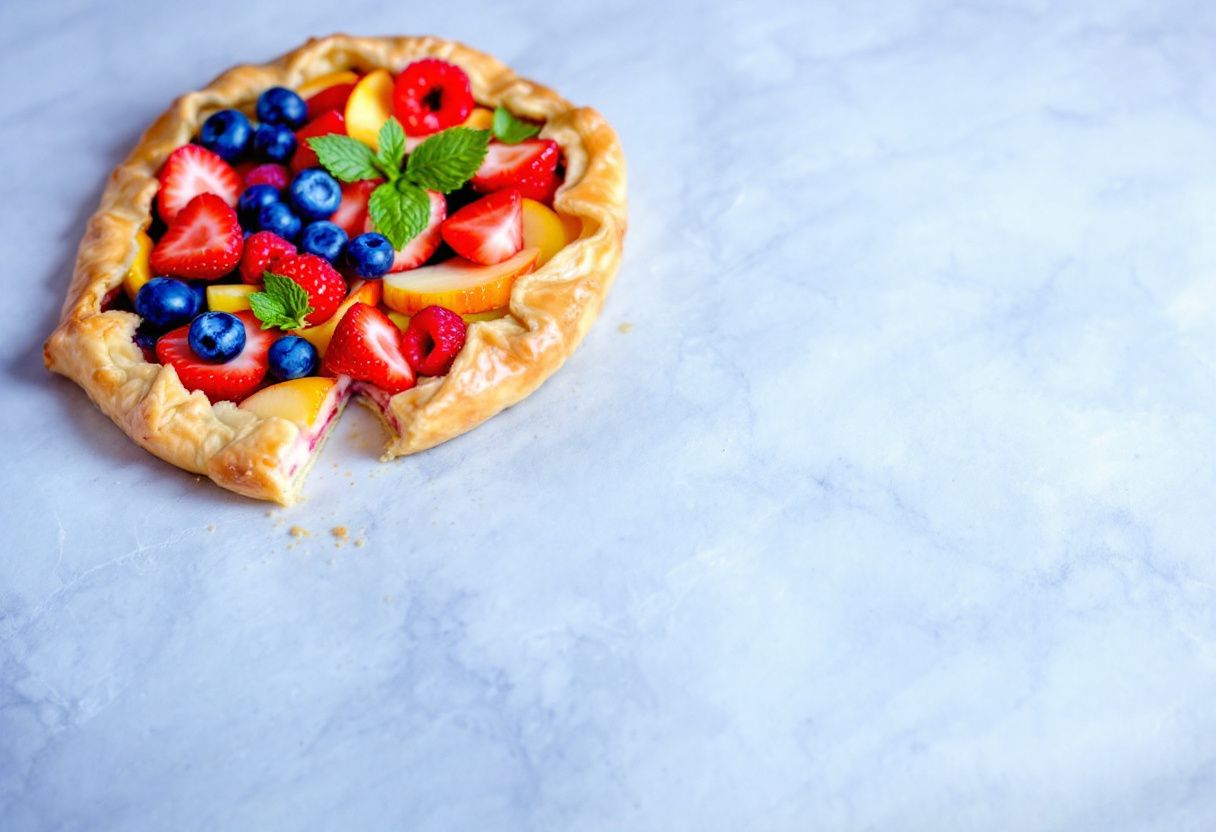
[502, 361]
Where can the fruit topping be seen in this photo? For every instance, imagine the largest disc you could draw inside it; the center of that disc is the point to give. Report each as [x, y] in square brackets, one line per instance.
[352, 212]
[544, 229]
[419, 249]
[274, 142]
[204, 241]
[457, 284]
[489, 230]
[263, 250]
[320, 335]
[253, 200]
[369, 106]
[530, 166]
[232, 380]
[431, 95]
[314, 194]
[164, 303]
[226, 134]
[367, 347]
[192, 170]
[324, 239]
[325, 124]
[370, 255]
[292, 357]
[268, 173]
[229, 297]
[432, 340]
[280, 219]
[139, 272]
[217, 336]
[331, 98]
[300, 400]
[325, 289]
[279, 105]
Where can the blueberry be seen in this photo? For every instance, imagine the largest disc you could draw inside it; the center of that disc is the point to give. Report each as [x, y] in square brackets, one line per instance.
[253, 200]
[323, 239]
[217, 336]
[292, 357]
[370, 255]
[226, 134]
[200, 290]
[278, 218]
[145, 338]
[165, 302]
[279, 105]
[315, 194]
[274, 142]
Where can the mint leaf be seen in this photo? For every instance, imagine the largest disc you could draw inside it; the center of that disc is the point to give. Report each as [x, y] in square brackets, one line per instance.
[345, 158]
[283, 303]
[447, 160]
[392, 148]
[399, 213]
[511, 130]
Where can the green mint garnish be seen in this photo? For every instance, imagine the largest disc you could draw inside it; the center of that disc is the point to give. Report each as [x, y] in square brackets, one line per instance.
[511, 130]
[283, 303]
[400, 208]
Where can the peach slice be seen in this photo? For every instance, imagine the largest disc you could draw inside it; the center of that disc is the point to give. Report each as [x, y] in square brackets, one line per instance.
[457, 284]
[369, 106]
[545, 229]
[140, 272]
[319, 336]
[229, 297]
[479, 119]
[301, 400]
[324, 82]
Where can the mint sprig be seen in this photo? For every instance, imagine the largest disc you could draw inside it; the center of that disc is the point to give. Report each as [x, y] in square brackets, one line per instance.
[400, 209]
[282, 303]
[511, 130]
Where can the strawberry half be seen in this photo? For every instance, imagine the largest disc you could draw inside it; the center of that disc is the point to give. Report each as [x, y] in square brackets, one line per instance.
[489, 230]
[366, 346]
[324, 124]
[230, 381]
[326, 288]
[530, 167]
[352, 211]
[263, 250]
[418, 250]
[203, 242]
[192, 170]
[330, 98]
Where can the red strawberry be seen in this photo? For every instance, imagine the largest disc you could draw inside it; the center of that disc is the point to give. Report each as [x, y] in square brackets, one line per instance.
[263, 250]
[432, 340]
[431, 95]
[326, 288]
[352, 212]
[268, 174]
[192, 170]
[418, 250]
[366, 346]
[330, 98]
[530, 166]
[489, 230]
[203, 242]
[324, 124]
[230, 381]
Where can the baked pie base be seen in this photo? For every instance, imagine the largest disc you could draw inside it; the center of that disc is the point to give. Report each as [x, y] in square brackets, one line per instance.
[502, 361]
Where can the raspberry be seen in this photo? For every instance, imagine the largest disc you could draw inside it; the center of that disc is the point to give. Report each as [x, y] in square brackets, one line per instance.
[262, 250]
[432, 340]
[276, 176]
[431, 95]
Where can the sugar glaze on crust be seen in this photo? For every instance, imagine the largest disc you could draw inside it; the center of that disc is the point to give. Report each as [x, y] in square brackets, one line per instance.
[502, 361]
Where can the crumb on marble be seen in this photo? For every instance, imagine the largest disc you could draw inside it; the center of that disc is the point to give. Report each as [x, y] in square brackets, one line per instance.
[339, 532]
[211, 527]
[624, 327]
[299, 531]
[359, 542]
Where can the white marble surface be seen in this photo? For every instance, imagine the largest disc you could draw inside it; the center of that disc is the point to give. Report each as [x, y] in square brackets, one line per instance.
[894, 509]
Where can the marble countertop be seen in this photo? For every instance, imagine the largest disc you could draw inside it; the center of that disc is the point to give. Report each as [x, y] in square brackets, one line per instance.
[880, 497]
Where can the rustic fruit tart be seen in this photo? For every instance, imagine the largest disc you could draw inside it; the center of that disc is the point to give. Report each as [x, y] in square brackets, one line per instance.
[402, 220]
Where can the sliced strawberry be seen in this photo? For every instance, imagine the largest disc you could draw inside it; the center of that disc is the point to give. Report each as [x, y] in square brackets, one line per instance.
[326, 288]
[418, 250]
[263, 250]
[352, 211]
[530, 166]
[489, 230]
[203, 242]
[192, 170]
[323, 125]
[330, 98]
[366, 346]
[230, 381]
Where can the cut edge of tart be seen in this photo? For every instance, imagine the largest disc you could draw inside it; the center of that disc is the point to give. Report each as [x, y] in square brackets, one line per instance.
[247, 449]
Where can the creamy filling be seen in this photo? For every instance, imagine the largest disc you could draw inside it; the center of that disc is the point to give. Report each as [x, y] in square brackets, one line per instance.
[312, 436]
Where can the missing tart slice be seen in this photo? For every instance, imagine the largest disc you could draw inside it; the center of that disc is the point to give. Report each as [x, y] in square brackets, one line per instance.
[402, 220]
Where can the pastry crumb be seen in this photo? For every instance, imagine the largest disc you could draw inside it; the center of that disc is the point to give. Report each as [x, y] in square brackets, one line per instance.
[624, 327]
[211, 527]
[359, 542]
[299, 531]
[339, 532]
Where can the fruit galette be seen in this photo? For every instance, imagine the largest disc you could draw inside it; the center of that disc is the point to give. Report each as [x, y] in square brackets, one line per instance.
[400, 219]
